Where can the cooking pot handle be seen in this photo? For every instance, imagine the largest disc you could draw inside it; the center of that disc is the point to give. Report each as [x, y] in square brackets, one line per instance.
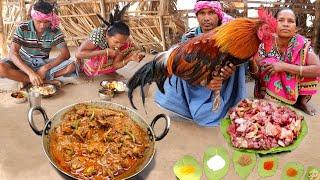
[30, 119]
[166, 130]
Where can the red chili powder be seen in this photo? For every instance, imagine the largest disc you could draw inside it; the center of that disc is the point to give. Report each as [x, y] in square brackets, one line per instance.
[268, 165]
[291, 172]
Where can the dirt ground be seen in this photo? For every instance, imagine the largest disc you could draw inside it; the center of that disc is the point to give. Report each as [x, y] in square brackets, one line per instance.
[22, 157]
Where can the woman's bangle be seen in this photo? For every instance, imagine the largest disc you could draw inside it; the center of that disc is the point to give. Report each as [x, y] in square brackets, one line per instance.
[254, 66]
[254, 73]
[107, 49]
[300, 72]
[123, 62]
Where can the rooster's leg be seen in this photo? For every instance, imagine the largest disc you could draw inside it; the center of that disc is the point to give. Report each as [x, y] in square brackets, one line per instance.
[217, 97]
[216, 100]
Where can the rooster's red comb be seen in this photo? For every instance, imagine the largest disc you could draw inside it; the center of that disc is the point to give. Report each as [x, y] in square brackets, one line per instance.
[266, 16]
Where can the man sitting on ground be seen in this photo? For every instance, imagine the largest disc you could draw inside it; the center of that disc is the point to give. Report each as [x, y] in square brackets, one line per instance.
[32, 42]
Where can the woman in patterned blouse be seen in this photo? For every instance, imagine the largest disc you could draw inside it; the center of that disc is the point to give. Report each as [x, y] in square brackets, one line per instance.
[108, 49]
[289, 73]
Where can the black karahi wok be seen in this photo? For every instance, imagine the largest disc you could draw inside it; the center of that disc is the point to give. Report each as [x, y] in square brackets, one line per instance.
[50, 124]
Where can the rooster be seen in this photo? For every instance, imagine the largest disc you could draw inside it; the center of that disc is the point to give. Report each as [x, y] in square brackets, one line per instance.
[201, 58]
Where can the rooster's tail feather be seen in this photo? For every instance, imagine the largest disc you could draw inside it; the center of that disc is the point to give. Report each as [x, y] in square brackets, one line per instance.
[176, 82]
[153, 71]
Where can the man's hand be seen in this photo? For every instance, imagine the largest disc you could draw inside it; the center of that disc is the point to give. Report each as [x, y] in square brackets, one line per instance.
[227, 71]
[42, 72]
[215, 83]
[35, 79]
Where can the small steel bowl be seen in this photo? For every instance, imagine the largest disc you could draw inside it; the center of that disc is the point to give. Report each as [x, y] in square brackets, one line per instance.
[19, 96]
[106, 94]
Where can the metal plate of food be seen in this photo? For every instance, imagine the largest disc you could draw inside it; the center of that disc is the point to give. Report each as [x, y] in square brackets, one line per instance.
[46, 90]
[116, 86]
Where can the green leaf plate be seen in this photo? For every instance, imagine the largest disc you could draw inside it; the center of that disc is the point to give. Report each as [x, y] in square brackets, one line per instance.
[187, 168]
[211, 152]
[267, 173]
[225, 123]
[310, 168]
[243, 171]
[296, 166]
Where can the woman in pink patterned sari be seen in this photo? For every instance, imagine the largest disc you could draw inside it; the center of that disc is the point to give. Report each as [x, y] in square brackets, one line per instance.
[289, 73]
[108, 48]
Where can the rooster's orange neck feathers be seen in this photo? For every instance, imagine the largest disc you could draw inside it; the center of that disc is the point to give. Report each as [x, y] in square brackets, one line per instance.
[238, 37]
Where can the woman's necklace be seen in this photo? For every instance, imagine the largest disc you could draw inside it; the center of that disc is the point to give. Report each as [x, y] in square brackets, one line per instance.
[281, 54]
[277, 48]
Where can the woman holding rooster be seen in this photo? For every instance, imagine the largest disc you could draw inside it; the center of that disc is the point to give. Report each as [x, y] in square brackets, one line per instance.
[195, 102]
[289, 72]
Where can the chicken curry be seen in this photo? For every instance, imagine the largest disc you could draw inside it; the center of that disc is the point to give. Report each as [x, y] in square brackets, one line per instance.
[97, 143]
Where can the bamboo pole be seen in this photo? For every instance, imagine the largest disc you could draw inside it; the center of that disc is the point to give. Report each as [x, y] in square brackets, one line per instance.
[316, 27]
[23, 10]
[163, 39]
[103, 9]
[245, 5]
[3, 49]
[163, 10]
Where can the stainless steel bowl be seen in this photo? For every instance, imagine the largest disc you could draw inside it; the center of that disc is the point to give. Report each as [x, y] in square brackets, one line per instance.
[19, 100]
[106, 94]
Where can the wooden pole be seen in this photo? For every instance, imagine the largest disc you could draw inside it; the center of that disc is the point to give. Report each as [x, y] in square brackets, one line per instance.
[316, 27]
[3, 49]
[103, 9]
[163, 10]
[245, 11]
[23, 10]
[163, 39]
